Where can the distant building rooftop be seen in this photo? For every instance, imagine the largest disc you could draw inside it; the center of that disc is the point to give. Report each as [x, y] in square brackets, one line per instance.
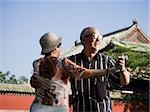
[16, 88]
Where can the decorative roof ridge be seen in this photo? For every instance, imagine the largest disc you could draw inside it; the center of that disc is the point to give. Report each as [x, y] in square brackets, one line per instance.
[134, 22]
[25, 84]
[144, 35]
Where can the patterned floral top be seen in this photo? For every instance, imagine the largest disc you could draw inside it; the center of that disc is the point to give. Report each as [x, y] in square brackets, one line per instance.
[53, 92]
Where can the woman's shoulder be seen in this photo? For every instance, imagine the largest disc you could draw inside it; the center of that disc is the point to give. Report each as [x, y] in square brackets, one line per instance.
[37, 62]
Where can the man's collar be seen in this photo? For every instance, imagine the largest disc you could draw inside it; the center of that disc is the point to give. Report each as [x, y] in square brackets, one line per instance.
[86, 58]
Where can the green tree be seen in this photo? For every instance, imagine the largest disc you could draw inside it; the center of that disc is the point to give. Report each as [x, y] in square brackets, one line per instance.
[11, 79]
[135, 58]
[22, 80]
[2, 77]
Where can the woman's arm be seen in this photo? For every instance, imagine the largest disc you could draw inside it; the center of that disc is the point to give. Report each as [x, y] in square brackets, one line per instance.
[33, 80]
[79, 72]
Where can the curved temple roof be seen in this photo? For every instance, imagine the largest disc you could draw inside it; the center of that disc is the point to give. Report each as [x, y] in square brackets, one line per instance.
[131, 37]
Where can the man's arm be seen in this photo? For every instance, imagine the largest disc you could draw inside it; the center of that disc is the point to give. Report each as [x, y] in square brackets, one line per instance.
[125, 77]
[92, 73]
[125, 74]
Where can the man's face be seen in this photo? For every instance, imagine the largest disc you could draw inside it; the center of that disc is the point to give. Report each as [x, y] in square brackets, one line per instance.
[92, 39]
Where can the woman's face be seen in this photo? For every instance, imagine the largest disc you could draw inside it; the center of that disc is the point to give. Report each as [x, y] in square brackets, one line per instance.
[56, 52]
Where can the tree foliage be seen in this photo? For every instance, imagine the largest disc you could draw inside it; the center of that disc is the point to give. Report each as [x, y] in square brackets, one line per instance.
[135, 58]
[22, 79]
[11, 78]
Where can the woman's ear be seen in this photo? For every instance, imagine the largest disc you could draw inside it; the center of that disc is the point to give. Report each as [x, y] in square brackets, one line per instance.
[54, 50]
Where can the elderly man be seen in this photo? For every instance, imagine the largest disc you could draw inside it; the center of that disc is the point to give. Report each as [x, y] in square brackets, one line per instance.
[91, 94]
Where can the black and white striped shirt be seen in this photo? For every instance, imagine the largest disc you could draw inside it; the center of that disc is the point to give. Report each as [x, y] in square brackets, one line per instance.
[91, 95]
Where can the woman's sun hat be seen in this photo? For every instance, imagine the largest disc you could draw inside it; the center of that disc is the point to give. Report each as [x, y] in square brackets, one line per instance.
[49, 41]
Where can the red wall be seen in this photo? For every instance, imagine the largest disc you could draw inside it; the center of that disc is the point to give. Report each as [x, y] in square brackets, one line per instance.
[118, 107]
[23, 102]
[15, 102]
[130, 106]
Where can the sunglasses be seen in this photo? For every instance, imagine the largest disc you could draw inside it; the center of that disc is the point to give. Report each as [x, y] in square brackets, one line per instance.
[94, 36]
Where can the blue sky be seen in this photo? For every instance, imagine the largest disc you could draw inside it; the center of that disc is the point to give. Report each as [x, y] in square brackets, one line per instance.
[22, 23]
